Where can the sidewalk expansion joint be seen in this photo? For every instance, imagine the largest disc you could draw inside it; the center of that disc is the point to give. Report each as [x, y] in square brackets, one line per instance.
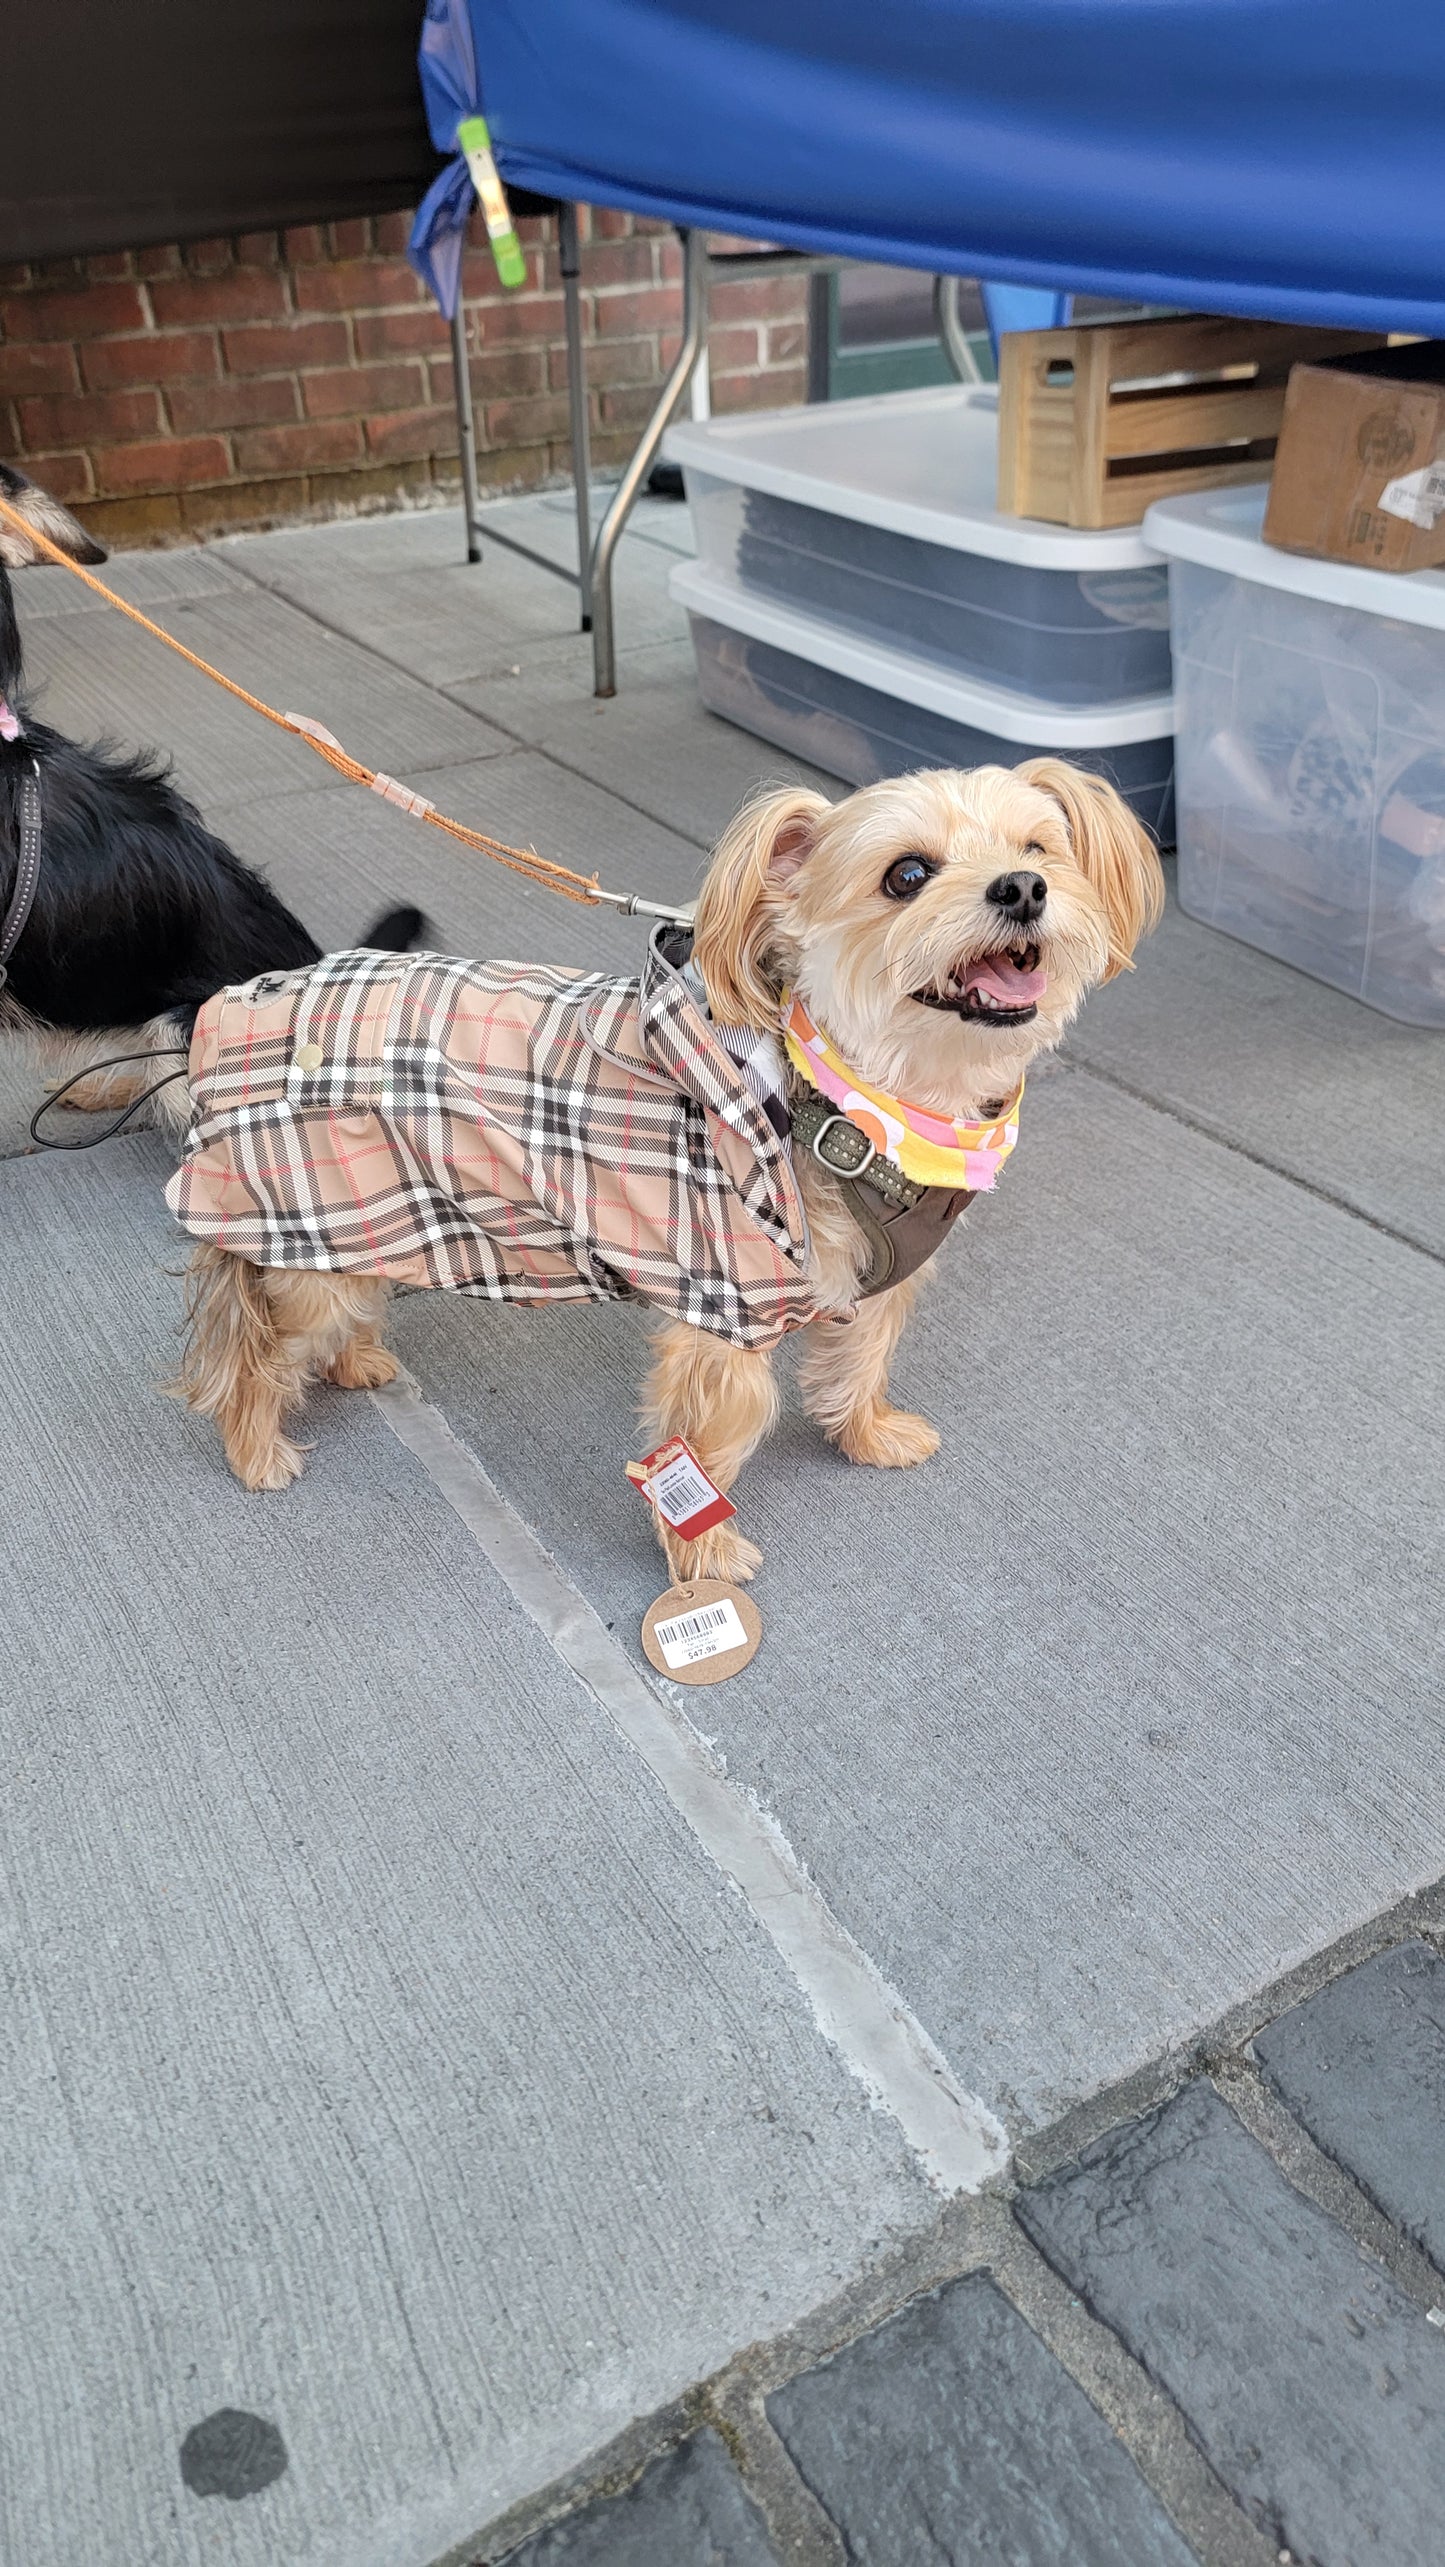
[958, 2141]
[1206, 1131]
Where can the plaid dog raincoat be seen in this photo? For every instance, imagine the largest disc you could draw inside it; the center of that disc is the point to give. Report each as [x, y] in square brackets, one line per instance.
[497, 1128]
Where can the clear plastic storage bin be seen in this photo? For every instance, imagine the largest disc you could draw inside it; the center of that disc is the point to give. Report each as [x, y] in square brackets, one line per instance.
[1310, 722]
[879, 516]
[861, 711]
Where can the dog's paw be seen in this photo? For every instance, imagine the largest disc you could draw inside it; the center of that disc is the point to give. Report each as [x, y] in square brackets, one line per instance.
[724, 1553]
[100, 1090]
[276, 1468]
[362, 1365]
[889, 1439]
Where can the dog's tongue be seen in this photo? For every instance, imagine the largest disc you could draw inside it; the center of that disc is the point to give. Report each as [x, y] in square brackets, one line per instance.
[1000, 977]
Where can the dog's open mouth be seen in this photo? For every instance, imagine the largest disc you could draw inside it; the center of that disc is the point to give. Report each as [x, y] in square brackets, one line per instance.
[992, 989]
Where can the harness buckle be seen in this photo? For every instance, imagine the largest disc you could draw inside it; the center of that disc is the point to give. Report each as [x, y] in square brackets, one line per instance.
[849, 1165]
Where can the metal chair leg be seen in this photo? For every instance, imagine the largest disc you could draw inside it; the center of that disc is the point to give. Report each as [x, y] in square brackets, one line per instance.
[466, 427]
[577, 396]
[694, 329]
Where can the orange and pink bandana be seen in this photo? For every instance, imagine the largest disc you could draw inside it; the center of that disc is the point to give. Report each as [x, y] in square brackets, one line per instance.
[925, 1146]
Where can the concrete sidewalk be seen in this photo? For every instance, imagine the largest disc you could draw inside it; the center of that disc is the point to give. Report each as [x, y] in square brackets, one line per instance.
[443, 2044]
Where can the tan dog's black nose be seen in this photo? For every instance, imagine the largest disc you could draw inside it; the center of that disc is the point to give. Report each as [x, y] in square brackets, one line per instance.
[1020, 896]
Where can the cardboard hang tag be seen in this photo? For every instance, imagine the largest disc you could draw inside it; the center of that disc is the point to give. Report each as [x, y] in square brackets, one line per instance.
[701, 1632]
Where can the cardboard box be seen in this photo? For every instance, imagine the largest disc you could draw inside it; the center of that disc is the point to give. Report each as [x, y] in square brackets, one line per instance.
[1359, 472]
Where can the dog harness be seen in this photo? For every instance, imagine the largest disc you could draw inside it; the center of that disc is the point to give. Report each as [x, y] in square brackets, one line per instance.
[909, 1173]
[497, 1128]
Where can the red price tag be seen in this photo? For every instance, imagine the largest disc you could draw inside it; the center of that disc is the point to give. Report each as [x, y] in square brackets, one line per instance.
[674, 1482]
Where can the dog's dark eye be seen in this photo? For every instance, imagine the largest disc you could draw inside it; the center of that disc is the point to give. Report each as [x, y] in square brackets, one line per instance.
[907, 876]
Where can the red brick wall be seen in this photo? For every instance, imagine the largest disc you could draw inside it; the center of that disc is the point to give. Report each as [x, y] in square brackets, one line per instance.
[168, 393]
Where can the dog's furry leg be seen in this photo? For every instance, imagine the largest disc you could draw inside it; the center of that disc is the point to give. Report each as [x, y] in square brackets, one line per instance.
[844, 1378]
[364, 1363]
[722, 1401]
[255, 1341]
[112, 1090]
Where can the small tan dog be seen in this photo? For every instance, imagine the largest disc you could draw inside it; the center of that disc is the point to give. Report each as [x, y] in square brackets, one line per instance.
[940, 930]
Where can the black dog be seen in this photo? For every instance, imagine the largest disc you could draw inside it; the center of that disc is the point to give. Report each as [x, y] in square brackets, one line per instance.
[139, 913]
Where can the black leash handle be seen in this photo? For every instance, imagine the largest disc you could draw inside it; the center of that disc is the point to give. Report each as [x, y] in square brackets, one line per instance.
[118, 1060]
[27, 870]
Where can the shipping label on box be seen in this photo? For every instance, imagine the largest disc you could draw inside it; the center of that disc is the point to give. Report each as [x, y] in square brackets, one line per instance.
[1359, 475]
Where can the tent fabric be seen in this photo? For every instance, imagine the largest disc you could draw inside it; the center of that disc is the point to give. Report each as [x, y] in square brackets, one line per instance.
[450, 92]
[1279, 157]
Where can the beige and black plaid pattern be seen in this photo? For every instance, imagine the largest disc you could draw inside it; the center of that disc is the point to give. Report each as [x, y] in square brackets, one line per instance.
[498, 1128]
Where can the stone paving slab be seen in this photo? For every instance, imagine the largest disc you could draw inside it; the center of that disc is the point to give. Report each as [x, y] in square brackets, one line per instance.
[99, 675]
[1362, 2065]
[403, 585]
[547, 521]
[1314, 2385]
[1275, 1063]
[952, 2434]
[652, 742]
[690, 2509]
[1067, 1724]
[341, 856]
[148, 580]
[391, 2084]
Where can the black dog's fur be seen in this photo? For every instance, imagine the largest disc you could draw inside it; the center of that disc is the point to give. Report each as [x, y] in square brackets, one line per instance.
[141, 912]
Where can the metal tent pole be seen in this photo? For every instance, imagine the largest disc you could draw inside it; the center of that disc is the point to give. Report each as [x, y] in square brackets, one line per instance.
[466, 426]
[694, 328]
[577, 396]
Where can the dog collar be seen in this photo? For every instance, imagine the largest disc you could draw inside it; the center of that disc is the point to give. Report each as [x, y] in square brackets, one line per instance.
[925, 1147]
[27, 870]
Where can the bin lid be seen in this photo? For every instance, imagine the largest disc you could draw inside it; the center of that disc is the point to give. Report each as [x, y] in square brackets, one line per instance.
[919, 463]
[1222, 530]
[1026, 719]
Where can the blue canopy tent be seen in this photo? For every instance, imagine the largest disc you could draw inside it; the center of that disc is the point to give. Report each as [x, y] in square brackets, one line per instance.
[1276, 157]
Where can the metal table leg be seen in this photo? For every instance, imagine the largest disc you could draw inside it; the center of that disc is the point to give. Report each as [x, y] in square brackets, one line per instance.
[694, 328]
[951, 331]
[577, 396]
[466, 426]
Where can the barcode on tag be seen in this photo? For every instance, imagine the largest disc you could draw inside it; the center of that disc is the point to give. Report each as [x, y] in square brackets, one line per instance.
[681, 1490]
[704, 1634]
[673, 1480]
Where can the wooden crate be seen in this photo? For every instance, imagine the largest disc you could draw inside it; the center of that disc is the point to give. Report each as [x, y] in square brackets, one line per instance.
[1098, 421]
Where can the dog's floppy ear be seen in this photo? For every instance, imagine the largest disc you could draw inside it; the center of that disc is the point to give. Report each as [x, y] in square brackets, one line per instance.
[738, 904]
[1113, 853]
[39, 510]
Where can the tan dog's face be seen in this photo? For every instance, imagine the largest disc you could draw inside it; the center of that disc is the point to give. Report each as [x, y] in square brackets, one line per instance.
[942, 928]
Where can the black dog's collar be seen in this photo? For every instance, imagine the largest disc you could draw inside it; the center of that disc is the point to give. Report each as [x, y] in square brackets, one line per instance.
[27, 870]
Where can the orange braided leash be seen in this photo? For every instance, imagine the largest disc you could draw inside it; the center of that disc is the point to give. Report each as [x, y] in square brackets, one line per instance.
[522, 860]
